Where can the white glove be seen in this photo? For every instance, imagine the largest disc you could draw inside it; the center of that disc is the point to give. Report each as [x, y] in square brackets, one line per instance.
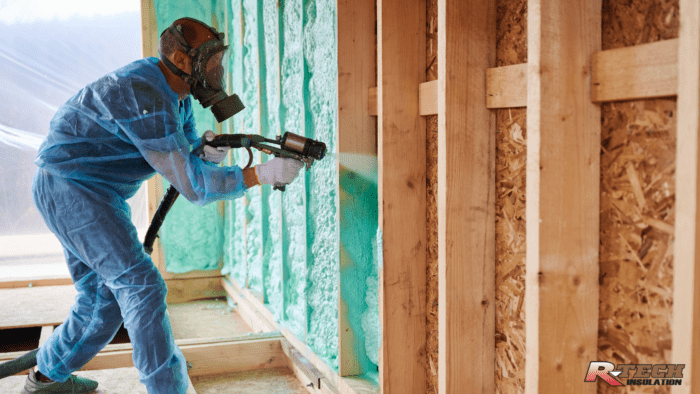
[279, 171]
[214, 155]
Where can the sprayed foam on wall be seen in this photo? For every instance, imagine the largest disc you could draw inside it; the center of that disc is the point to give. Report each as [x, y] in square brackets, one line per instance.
[321, 70]
[294, 250]
[269, 114]
[235, 223]
[191, 236]
[251, 125]
[359, 214]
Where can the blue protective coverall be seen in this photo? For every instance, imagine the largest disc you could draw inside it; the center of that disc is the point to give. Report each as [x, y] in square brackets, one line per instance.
[103, 143]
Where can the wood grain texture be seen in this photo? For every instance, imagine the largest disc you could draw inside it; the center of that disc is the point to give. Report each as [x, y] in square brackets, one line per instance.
[506, 86]
[357, 134]
[563, 170]
[641, 71]
[194, 288]
[686, 283]
[402, 198]
[466, 200]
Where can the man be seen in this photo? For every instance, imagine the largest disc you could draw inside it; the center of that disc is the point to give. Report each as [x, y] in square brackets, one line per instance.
[103, 143]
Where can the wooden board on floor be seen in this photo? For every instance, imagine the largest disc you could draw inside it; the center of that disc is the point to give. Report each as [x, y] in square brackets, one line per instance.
[240, 354]
[640, 71]
[185, 290]
[466, 197]
[206, 319]
[563, 179]
[275, 380]
[686, 261]
[111, 381]
[35, 306]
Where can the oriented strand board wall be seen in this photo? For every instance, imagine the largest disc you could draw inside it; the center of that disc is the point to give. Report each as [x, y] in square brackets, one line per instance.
[431, 205]
[638, 144]
[511, 151]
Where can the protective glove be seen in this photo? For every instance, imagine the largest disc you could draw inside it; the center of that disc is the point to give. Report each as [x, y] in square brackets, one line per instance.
[209, 153]
[279, 171]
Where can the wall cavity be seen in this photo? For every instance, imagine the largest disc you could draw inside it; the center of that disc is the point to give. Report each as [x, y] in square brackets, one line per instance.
[191, 236]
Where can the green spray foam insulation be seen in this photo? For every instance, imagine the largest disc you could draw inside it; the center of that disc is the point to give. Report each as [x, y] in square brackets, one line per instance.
[273, 277]
[235, 260]
[283, 65]
[291, 30]
[192, 237]
[321, 71]
[359, 280]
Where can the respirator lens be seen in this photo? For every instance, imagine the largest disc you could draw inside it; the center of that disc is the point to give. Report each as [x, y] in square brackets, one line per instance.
[215, 72]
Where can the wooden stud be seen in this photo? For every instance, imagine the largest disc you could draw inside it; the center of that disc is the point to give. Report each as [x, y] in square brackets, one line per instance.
[506, 87]
[357, 135]
[641, 71]
[686, 260]
[563, 176]
[466, 200]
[402, 196]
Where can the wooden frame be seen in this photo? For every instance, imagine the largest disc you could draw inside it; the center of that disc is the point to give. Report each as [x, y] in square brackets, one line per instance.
[561, 301]
[466, 197]
[357, 134]
[686, 286]
[402, 195]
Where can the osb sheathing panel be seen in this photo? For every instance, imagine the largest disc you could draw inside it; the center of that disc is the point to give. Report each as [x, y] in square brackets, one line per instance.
[511, 155]
[431, 207]
[637, 186]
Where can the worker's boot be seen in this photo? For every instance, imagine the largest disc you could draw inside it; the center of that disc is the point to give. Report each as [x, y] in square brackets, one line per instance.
[74, 385]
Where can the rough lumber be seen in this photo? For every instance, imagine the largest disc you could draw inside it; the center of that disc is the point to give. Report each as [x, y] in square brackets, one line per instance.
[563, 160]
[356, 135]
[402, 197]
[641, 71]
[466, 200]
[255, 318]
[506, 86]
[686, 280]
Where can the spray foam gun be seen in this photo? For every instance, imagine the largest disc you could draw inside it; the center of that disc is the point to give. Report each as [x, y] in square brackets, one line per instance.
[291, 146]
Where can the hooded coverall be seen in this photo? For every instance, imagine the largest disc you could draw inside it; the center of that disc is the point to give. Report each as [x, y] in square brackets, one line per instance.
[103, 143]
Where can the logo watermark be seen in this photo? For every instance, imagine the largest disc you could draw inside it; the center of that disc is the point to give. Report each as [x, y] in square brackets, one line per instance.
[635, 374]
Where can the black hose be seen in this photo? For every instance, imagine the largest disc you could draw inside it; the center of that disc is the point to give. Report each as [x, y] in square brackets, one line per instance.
[18, 365]
[163, 208]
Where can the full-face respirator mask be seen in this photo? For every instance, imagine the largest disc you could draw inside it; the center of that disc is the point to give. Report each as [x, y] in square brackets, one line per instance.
[207, 80]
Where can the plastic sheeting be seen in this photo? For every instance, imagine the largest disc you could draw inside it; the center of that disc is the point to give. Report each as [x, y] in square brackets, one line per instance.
[44, 63]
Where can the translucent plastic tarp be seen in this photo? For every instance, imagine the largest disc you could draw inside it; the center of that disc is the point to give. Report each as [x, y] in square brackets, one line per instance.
[42, 64]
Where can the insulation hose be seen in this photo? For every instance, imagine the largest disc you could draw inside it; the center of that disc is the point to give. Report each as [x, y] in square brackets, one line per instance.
[165, 205]
[18, 365]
